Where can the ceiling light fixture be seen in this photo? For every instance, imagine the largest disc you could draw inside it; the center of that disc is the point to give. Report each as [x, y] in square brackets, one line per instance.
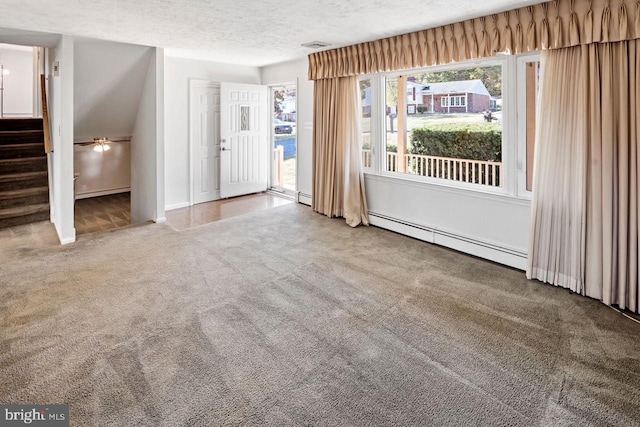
[101, 145]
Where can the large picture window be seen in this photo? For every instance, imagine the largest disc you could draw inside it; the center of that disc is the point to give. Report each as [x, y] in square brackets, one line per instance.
[446, 124]
[471, 126]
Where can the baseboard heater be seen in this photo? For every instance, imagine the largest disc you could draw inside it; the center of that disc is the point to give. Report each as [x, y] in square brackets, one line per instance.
[501, 254]
[304, 198]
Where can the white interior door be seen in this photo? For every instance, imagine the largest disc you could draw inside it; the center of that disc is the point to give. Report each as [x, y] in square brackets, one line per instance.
[205, 142]
[245, 139]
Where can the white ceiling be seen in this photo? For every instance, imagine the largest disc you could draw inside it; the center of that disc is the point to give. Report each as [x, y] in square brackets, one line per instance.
[243, 32]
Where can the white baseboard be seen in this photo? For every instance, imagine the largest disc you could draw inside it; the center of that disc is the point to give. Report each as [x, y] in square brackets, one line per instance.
[511, 257]
[102, 193]
[19, 115]
[177, 206]
[305, 199]
[66, 240]
[160, 220]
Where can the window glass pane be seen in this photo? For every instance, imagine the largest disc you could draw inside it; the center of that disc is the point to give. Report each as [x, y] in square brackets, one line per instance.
[365, 99]
[244, 118]
[446, 125]
[532, 85]
[284, 137]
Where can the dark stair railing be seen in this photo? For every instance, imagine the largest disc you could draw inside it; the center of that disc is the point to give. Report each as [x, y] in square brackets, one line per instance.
[45, 115]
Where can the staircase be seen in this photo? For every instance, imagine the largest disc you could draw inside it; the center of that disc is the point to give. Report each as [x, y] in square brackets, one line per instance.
[24, 186]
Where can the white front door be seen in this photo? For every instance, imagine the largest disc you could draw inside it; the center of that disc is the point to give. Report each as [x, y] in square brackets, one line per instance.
[205, 141]
[245, 139]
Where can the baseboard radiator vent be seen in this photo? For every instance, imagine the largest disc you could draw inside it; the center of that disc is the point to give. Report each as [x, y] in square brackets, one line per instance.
[304, 198]
[497, 253]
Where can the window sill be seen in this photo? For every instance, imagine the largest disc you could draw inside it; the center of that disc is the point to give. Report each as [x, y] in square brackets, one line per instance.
[498, 195]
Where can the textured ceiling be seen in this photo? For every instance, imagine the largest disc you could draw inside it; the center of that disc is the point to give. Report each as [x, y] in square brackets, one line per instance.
[241, 32]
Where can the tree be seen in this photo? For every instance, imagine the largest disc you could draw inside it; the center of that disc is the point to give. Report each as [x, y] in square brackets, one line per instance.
[392, 92]
[278, 98]
[364, 85]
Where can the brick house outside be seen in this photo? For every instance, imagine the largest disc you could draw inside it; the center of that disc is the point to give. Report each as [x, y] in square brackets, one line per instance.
[465, 96]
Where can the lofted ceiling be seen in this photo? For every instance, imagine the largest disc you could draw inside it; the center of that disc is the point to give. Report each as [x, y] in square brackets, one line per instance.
[256, 33]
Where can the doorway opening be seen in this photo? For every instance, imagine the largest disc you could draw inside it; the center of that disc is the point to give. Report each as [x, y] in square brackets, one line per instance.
[20, 69]
[284, 137]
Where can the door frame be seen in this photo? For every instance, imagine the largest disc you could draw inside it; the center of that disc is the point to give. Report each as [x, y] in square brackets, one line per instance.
[272, 187]
[195, 84]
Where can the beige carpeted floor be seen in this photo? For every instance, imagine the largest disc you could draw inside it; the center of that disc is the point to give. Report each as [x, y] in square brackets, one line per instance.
[284, 317]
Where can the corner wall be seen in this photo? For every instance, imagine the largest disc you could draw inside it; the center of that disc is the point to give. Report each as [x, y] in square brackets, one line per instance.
[178, 72]
[147, 147]
[61, 159]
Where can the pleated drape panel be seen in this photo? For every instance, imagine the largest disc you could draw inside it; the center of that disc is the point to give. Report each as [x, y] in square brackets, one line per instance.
[551, 25]
[584, 232]
[338, 178]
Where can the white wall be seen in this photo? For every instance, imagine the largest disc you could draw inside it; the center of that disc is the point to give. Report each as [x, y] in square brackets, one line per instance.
[102, 173]
[108, 85]
[178, 72]
[61, 159]
[147, 147]
[109, 78]
[486, 225]
[297, 71]
[18, 84]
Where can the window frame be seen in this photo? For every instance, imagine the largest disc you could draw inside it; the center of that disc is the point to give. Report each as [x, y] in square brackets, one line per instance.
[459, 101]
[373, 117]
[521, 92]
[514, 144]
[378, 132]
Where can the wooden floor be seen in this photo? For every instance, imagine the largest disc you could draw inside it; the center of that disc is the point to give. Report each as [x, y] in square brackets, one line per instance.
[102, 213]
[111, 212]
[203, 213]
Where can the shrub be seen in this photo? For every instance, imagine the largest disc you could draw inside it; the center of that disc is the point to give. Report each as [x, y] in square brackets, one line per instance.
[477, 141]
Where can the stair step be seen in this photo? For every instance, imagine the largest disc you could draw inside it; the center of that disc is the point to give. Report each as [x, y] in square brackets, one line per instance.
[24, 197]
[15, 151]
[21, 136]
[23, 210]
[16, 181]
[21, 124]
[24, 215]
[24, 164]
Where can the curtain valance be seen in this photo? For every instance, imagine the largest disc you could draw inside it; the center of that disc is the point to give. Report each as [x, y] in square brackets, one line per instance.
[551, 25]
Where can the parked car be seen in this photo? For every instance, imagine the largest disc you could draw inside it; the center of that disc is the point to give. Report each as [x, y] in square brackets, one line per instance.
[281, 127]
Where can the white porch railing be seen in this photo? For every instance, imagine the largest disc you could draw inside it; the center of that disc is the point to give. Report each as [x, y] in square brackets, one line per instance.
[461, 170]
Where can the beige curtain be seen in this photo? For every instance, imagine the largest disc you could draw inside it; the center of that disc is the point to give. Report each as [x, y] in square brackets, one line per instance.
[584, 232]
[551, 25]
[338, 179]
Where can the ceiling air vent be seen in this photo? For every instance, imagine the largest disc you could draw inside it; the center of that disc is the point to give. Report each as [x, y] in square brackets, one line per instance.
[316, 45]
